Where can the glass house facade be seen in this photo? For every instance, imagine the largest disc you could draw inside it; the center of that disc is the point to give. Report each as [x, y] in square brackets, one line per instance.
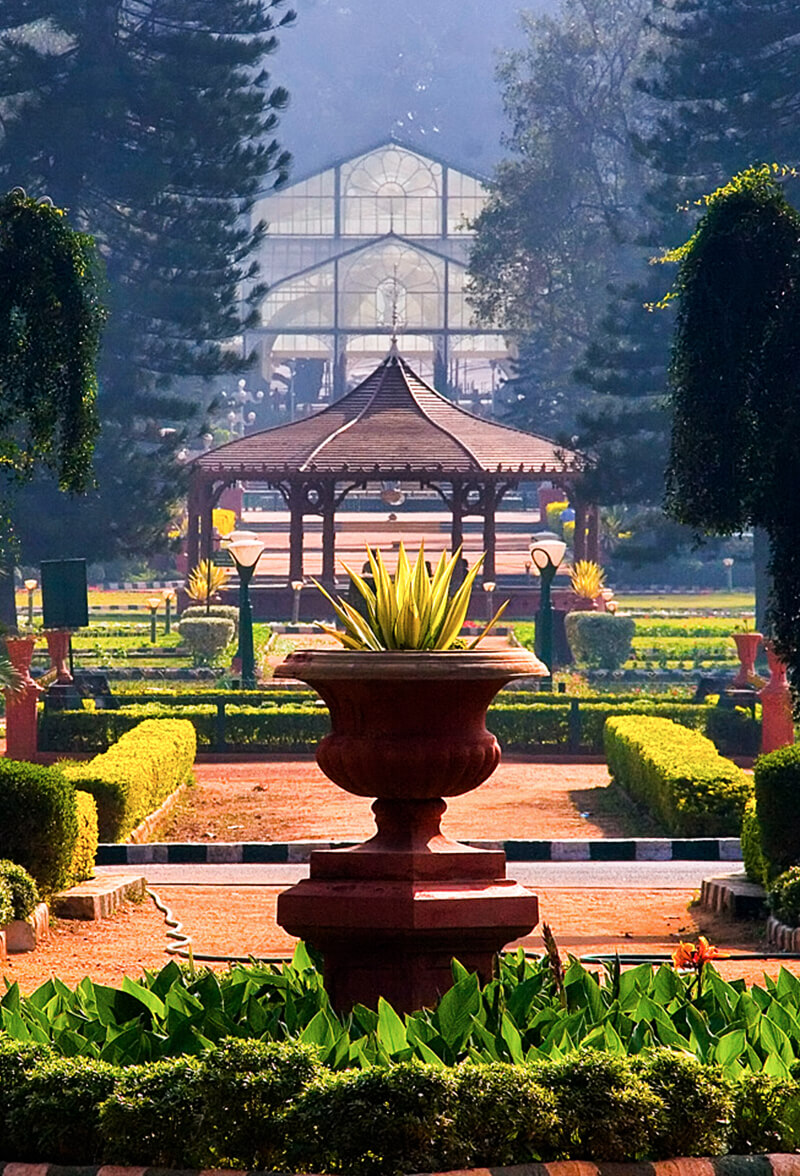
[372, 246]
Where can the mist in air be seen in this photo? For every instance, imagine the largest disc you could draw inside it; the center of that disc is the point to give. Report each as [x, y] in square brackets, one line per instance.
[421, 70]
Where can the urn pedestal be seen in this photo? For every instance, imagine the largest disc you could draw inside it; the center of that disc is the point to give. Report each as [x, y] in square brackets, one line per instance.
[21, 717]
[777, 723]
[388, 916]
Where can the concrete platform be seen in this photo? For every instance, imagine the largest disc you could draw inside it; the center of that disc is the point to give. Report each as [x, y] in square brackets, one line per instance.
[100, 897]
[733, 894]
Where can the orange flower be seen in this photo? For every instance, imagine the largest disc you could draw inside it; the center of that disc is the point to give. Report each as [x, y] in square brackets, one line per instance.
[689, 955]
[683, 955]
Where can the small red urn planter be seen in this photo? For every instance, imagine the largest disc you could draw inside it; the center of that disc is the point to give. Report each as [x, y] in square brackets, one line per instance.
[388, 916]
[747, 645]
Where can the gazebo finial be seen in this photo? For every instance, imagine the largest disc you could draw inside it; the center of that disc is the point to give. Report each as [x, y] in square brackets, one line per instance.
[394, 349]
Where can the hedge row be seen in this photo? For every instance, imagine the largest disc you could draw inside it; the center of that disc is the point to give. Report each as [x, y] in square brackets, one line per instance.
[45, 825]
[771, 830]
[678, 774]
[299, 727]
[250, 1104]
[140, 770]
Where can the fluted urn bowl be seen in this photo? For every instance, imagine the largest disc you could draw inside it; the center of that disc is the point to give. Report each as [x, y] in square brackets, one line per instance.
[409, 725]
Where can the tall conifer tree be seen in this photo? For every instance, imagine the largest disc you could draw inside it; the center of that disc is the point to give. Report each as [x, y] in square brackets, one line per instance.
[152, 122]
[723, 78]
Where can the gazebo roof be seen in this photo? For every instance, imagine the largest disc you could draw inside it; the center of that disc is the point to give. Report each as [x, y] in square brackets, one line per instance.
[391, 423]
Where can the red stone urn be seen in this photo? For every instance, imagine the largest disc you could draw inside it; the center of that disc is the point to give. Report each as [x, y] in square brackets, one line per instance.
[21, 717]
[58, 649]
[747, 648]
[777, 723]
[409, 729]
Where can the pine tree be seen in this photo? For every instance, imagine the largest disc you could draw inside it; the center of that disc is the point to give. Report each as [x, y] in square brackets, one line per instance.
[152, 122]
[722, 77]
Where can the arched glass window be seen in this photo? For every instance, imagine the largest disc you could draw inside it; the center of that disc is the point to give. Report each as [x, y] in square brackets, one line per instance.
[371, 279]
[391, 191]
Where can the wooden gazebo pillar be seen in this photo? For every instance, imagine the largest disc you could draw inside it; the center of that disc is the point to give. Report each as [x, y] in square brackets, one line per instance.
[328, 511]
[579, 538]
[593, 532]
[457, 517]
[296, 510]
[490, 499]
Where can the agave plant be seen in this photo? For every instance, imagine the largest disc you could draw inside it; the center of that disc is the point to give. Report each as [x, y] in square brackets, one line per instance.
[587, 578]
[206, 579]
[412, 611]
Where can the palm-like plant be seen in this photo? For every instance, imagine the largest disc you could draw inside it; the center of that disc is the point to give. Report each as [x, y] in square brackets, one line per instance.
[587, 579]
[413, 610]
[206, 579]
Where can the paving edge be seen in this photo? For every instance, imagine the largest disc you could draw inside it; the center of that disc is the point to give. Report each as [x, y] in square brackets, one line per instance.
[777, 1164]
[217, 853]
[734, 895]
[146, 827]
[781, 936]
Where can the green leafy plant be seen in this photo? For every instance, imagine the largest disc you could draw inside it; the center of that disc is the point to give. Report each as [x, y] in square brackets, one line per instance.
[784, 897]
[412, 611]
[599, 639]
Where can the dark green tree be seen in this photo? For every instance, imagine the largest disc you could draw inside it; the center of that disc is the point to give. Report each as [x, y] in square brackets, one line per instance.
[721, 77]
[152, 122]
[50, 320]
[558, 225]
[735, 383]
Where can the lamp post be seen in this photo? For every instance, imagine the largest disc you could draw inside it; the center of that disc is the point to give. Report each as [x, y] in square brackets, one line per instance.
[152, 603]
[547, 553]
[245, 549]
[168, 596]
[297, 588]
[727, 563]
[489, 587]
[30, 588]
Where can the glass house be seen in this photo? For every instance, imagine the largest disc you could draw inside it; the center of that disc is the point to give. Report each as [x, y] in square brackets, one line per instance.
[372, 246]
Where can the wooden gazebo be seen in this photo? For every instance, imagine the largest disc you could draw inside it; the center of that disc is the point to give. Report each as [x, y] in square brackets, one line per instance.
[393, 427]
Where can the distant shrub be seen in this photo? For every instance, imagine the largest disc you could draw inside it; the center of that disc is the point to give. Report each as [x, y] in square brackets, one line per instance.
[215, 610]
[733, 730]
[6, 903]
[206, 637]
[23, 891]
[600, 639]
[777, 785]
[553, 512]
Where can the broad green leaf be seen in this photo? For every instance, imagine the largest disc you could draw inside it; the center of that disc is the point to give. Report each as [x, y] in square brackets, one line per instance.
[456, 1010]
[391, 1031]
[151, 1002]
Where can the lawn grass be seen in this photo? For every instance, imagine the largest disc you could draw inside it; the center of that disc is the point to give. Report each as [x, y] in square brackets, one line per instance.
[687, 601]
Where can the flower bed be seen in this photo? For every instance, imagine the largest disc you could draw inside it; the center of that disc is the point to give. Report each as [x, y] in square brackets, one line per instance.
[253, 1069]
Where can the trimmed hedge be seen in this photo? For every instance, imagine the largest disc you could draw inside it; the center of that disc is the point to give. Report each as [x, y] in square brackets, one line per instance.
[85, 852]
[21, 888]
[299, 727]
[206, 637]
[600, 639]
[754, 864]
[678, 774]
[132, 778]
[229, 611]
[275, 1107]
[777, 788]
[38, 822]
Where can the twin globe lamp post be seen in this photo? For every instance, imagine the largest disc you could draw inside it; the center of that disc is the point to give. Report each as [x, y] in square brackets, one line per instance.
[547, 552]
[245, 549]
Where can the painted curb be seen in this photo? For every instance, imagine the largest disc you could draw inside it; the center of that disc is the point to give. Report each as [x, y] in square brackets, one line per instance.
[216, 853]
[778, 1164]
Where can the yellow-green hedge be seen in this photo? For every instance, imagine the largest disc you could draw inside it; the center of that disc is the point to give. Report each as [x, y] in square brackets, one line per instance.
[85, 851]
[678, 774]
[132, 778]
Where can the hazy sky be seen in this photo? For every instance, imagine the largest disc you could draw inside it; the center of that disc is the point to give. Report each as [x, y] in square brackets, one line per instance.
[359, 70]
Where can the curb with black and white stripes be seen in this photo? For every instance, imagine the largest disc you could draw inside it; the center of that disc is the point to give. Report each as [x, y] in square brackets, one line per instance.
[635, 849]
